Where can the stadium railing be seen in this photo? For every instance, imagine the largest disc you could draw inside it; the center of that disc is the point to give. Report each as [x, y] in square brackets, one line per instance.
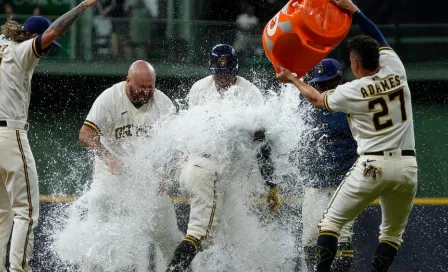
[115, 40]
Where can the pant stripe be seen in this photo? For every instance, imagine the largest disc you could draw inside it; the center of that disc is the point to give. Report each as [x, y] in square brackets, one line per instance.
[28, 191]
[212, 215]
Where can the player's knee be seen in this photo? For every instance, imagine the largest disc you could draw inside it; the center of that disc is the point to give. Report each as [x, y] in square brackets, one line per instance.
[198, 172]
[197, 182]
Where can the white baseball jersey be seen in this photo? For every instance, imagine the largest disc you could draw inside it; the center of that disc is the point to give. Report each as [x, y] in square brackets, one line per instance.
[116, 118]
[204, 91]
[18, 61]
[19, 191]
[200, 184]
[379, 107]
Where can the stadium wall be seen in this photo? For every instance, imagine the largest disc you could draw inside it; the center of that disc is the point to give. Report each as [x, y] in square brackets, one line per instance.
[60, 104]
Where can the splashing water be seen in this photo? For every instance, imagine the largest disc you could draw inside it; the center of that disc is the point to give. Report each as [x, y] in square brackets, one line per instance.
[113, 223]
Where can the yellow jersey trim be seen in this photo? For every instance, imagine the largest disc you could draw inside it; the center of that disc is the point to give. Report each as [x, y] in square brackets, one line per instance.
[36, 53]
[385, 48]
[92, 125]
[326, 101]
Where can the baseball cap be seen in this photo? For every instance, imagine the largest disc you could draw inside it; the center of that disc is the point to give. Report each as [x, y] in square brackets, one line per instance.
[223, 60]
[37, 25]
[327, 69]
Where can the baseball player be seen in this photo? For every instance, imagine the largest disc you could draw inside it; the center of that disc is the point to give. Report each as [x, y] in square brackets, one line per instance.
[224, 74]
[21, 47]
[379, 106]
[332, 137]
[200, 176]
[125, 111]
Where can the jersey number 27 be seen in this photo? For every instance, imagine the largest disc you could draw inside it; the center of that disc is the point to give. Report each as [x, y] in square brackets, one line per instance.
[384, 112]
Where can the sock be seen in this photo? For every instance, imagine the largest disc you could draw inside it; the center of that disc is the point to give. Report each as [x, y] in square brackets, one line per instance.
[344, 258]
[184, 254]
[384, 256]
[327, 245]
[310, 257]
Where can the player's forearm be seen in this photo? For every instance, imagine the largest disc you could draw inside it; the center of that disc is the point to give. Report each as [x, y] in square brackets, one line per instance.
[369, 28]
[58, 27]
[98, 149]
[310, 94]
[91, 141]
[264, 158]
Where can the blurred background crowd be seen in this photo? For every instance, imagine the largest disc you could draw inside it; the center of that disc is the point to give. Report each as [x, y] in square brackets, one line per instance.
[178, 29]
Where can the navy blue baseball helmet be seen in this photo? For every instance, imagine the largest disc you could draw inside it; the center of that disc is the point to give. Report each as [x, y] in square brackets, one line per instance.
[327, 69]
[37, 25]
[223, 60]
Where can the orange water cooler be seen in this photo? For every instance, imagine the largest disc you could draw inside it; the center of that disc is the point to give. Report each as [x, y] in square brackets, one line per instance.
[303, 33]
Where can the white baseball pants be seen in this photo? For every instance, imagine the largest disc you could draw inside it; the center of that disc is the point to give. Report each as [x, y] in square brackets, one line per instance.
[19, 198]
[102, 205]
[395, 184]
[315, 201]
[198, 183]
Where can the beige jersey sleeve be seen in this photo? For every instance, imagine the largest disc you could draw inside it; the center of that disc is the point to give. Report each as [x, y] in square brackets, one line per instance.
[26, 54]
[390, 59]
[100, 115]
[338, 100]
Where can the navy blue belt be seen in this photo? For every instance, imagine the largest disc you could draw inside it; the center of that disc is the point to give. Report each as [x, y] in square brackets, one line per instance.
[14, 124]
[381, 153]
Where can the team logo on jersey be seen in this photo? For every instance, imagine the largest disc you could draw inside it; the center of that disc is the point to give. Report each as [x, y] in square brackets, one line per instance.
[131, 130]
[222, 61]
[320, 69]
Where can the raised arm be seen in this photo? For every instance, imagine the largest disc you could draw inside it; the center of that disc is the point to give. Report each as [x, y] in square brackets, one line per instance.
[366, 25]
[58, 27]
[312, 95]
